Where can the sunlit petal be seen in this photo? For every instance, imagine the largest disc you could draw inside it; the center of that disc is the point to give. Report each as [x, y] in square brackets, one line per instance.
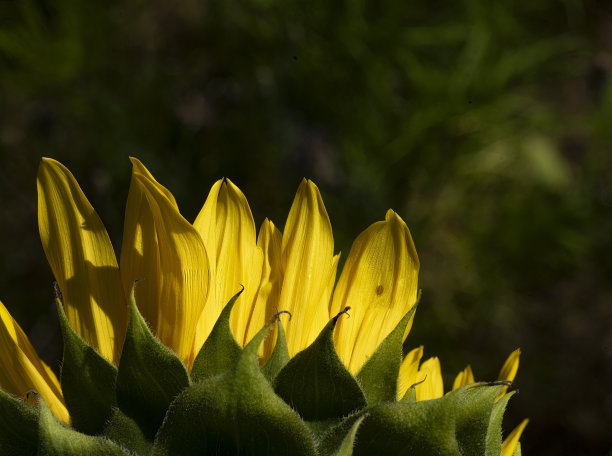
[465, 377]
[164, 249]
[308, 266]
[82, 259]
[430, 375]
[379, 283]
[23, 371]
[512, 440]
[408, 371]
[226, 225]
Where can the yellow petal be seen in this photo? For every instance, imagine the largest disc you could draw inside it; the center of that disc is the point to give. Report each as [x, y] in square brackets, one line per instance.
[308, 265]
[465, 377]
[512, 440]
[509, 370]
[408, 371]
[23, 371]
[228, 230]
[266, 305]
[379, 283]
[82, 259]
[164, 249]
[432, 386]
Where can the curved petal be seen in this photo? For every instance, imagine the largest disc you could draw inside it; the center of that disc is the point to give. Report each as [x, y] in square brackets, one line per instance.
[430, 375]
[308, 265]
[408, 371]
[226, 225]
[162, 248]
[266, 305]
[465, 377]
[23, 371]
[511, 442]
[379, 283]
[82, 259]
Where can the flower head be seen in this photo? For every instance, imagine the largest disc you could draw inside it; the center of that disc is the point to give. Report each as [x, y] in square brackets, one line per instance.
[188, 273]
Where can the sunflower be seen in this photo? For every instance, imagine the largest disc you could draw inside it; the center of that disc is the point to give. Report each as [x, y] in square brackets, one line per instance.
[187, 272]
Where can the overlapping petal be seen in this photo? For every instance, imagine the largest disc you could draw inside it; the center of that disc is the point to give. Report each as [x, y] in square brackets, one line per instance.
[430, 378]
[465, 377]
[82, 259]
[379, 283]
[227, 228]
[266, 305]
[23, 371]
[164, 249]
[308, 267]
[408, 371]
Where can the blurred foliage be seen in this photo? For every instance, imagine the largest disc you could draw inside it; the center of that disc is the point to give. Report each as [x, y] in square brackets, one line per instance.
[486, 125]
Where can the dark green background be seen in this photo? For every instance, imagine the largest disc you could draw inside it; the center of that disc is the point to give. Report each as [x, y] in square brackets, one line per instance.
[485, 124]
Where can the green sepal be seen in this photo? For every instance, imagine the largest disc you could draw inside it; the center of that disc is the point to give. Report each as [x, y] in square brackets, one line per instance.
[87, 379]
[54, 439]
[235, 412]
[279, 357]
[378, 376]
[124, 431]
[494, 431]
[220, 351]
[440, 427]
[18, 426]
[150, 375]
[316, 383]
[340, 439]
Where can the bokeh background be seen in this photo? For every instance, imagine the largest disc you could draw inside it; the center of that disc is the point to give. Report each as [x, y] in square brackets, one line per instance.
[486, 125]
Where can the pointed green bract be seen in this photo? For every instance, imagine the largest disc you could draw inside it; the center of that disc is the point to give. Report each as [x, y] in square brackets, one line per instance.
[378, 376]
[340, 439]
[473, 414]
[150, 375]
[279, 357]
[18, 426]
[517, 450]
[87, 379]
[437, 427]
[236, 412]
[494, 432]
[409, 395]
[124, 431]
[220, 351]
[57, 440]
[316, 383]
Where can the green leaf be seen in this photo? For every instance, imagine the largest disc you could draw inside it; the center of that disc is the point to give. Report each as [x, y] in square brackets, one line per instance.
[125, 431]
[340, 440]
[232, 413]
[220, 351]
[18, 426]
[378, 376]
[316, 383]
[57, 440]
[494, 432]
[279, 357]
[150, 375]
[87, 379]
[447, 426]
[410, 395]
